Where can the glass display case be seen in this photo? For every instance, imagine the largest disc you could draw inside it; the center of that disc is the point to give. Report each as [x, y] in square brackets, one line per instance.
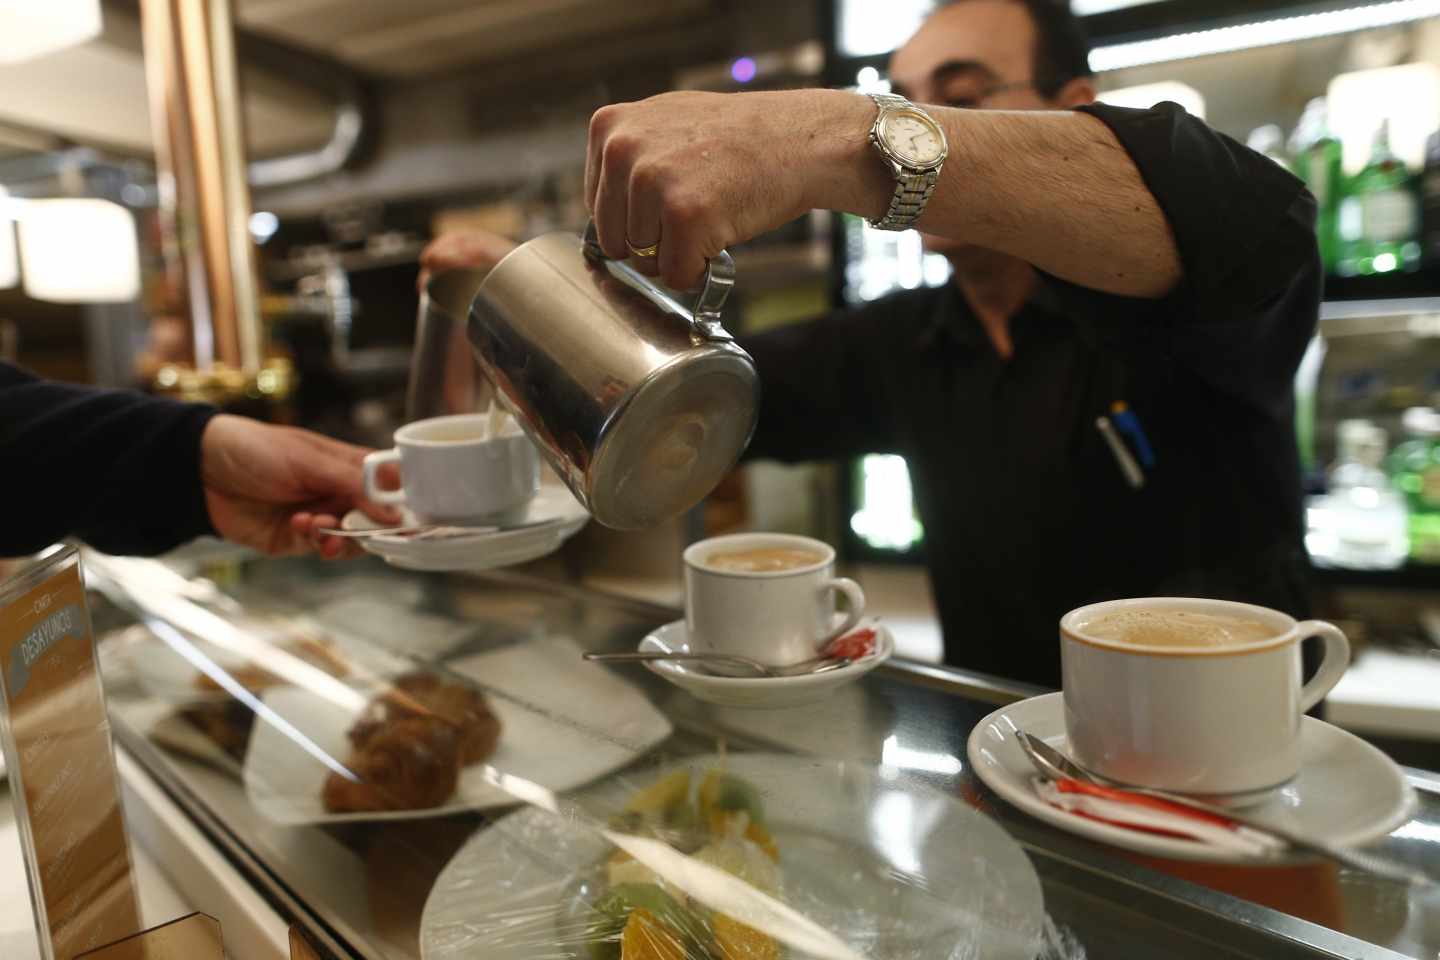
[280, 702]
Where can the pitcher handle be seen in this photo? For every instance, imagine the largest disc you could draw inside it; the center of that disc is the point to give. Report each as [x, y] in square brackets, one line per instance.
[719, 281]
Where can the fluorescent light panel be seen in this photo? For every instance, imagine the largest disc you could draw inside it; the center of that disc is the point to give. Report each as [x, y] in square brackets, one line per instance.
[1086, 8]
[1146, 95]
[870, 27]
[33, 28]
[1201, 43]
[79, 250]
[1407, 95]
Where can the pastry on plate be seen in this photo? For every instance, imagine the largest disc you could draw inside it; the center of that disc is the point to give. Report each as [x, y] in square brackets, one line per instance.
[410, 744]
[428, 694]
[256, 678]
[410, 764]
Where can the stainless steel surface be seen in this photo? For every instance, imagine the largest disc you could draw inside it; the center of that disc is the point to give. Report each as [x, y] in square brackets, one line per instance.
[639, 404]
[803, 668]
[363, 885]
[200, 164]
[330, 157]
[1374, 309]
[354, 114]
[1055, 765]
[444, 377]
[1049, 761]
[411, 533]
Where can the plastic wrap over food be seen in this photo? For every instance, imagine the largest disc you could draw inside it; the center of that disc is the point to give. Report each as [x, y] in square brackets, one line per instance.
[738, 857]
[612, 838]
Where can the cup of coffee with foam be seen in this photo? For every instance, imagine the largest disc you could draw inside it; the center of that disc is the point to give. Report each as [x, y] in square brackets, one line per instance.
[458, 469]
[1192, 696]
[766, 596]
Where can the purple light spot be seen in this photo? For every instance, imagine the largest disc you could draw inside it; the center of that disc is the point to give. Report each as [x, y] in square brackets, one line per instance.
[743, 70]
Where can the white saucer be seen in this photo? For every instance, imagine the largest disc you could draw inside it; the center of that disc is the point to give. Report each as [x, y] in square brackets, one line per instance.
[559, 515]
[1347, 792]
[760, 692]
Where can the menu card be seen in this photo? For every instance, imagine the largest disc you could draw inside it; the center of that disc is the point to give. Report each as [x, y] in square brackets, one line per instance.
[300, 947]
[56, 738]
[196, 937]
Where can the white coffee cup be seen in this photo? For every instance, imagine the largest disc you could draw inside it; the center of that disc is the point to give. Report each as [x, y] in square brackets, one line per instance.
[1221, 720]
[453, 471]
[776, 617]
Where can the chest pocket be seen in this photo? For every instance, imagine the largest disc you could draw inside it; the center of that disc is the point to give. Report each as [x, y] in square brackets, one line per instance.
[1116, 525]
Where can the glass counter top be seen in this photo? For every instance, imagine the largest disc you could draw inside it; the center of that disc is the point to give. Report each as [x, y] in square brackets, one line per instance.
[246, 755]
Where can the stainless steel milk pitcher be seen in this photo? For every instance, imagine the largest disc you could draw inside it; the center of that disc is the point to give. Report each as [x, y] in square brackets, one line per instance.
[641, 405]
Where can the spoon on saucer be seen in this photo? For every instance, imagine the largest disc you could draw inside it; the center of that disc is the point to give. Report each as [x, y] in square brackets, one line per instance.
[1056, 766]
[820, 664]
[426, 531]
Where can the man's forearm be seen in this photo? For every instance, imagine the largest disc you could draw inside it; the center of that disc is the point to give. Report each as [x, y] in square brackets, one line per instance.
[1055, 189]
[697, 172]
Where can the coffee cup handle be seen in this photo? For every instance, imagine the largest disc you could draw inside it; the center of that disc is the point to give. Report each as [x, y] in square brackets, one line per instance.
[854, 602]
[373, 491]
[1332, 664]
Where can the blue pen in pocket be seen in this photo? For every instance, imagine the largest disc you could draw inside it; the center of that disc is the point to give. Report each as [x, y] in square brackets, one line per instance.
[1129, 469]
[1128, 423]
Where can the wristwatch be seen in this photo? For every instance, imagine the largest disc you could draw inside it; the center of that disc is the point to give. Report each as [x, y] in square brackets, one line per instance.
[913, 146]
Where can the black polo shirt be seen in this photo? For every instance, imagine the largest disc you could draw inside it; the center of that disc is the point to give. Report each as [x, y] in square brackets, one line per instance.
[1025, 509]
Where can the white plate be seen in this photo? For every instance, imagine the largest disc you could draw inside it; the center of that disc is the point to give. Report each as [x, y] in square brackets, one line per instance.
[1348, 792]
[758, 692]
[564, 722]
[561, 514]
[160, 723]
[165, 673]
[853, 840]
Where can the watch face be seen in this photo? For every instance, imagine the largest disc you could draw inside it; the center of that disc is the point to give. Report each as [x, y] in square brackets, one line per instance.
[913, 138]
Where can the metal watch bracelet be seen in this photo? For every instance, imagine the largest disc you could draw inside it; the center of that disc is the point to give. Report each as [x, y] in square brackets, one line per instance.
[912, 187]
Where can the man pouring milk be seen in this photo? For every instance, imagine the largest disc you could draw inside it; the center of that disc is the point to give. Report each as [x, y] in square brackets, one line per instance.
[1098, 404]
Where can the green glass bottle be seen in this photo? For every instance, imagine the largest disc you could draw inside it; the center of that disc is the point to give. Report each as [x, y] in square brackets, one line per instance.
[1316, 159]
[1380, 215]
[1430, 202]
[1414, 469]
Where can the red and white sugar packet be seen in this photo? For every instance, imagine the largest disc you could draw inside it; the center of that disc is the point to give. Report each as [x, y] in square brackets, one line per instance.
[854, 645]
[1136, 811]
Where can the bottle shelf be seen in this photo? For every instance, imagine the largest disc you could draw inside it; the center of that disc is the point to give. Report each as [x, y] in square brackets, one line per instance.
[1386, 286]
[1412, 576]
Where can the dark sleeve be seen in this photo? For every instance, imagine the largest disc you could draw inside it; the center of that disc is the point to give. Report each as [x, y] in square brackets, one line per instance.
[118, 469]
[825, 385]
[1245, 231]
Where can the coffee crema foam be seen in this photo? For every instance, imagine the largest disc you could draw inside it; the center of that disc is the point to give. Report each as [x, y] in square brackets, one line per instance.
[763, 559]
[1176, 628]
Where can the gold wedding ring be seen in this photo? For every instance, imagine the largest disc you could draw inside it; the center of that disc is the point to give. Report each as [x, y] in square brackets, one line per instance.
[646, 252]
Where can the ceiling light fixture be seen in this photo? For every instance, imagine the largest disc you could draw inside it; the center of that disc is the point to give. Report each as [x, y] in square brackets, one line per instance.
[78, 250]
[33, 28]
[1263, 33]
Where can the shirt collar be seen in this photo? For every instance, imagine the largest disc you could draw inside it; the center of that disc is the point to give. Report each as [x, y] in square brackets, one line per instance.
[954, 321]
